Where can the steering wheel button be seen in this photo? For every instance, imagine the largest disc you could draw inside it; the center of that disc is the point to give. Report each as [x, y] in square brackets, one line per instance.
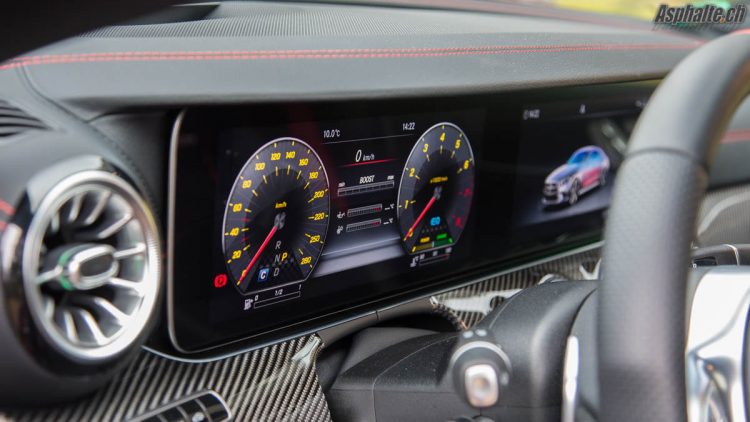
[482, 389]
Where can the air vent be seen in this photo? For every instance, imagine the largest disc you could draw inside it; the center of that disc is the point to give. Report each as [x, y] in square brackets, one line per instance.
[91, 266]
[706, 261]
[14, 121]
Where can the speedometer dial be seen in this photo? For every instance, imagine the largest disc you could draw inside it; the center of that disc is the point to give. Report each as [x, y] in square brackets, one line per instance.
[436, 189]
[276, 217]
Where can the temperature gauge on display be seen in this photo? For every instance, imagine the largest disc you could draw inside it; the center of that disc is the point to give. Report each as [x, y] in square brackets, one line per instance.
[436, 189]
[276, 218]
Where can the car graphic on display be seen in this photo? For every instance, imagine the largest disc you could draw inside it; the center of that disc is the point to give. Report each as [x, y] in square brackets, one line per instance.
[586, 169]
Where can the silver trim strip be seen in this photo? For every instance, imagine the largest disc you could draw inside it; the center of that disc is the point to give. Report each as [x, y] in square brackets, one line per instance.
[483, 344]
[570, 380]
[171, 198]
[736, 252]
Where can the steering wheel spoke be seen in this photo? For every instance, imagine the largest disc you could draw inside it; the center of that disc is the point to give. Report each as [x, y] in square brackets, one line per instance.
[649, 367]
[715, 350]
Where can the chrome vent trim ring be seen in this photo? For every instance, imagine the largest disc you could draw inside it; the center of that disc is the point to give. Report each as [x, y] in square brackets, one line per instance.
[91, 266]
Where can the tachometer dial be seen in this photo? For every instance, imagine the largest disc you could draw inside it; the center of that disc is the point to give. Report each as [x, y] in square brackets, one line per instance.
[436, 189]
[276, 218]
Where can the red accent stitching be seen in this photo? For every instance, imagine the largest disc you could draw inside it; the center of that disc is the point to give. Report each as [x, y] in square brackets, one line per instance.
[355, 50]
[6, 208]
[144, 56]
[737, 135]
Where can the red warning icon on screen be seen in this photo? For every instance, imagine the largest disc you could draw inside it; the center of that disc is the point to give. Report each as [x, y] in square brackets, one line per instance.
[220, 281]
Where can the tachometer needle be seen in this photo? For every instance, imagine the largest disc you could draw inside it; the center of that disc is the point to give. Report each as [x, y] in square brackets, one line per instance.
[421, 216]
[257, 254]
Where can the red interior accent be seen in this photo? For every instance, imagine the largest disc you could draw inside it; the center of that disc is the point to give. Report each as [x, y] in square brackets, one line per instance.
[377, 53]
[736, 135]
[6, 208]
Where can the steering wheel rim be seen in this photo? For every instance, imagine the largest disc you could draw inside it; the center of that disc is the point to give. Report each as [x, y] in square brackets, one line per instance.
[651, 223]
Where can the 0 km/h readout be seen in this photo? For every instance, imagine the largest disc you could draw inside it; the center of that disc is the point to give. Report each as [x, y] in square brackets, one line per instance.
[436, 189]
[276, 218]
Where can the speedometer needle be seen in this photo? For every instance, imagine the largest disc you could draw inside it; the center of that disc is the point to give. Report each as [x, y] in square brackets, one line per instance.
[421, 216]
[257, 254]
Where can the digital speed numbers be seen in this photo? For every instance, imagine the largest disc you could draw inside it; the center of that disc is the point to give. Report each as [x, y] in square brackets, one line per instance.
[276, 217]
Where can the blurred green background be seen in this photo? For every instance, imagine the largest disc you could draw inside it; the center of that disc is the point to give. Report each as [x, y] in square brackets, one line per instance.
[639, 9]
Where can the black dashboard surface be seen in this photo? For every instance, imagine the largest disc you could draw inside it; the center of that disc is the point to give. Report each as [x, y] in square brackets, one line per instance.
[537, 95]
[297, 52]
[116, 92]
[123, 79]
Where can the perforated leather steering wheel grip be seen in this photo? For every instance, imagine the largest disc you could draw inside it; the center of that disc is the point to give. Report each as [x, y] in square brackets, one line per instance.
[642, 298]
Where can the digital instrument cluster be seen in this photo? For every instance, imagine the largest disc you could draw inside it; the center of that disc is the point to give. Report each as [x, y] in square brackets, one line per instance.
[288, 218]
[284, 215]
[303, 216]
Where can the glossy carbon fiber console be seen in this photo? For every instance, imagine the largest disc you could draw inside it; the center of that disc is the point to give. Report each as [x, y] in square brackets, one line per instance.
[280, 382]
[274, 383]
[470, 304]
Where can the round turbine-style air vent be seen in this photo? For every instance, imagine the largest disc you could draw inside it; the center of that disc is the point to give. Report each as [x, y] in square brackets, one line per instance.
[91, 266]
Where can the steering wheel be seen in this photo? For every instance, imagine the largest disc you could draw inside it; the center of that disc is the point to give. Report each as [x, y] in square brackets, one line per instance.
[667, 351]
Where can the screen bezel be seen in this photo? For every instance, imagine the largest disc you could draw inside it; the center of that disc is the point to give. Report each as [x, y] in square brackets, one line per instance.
[501, 121]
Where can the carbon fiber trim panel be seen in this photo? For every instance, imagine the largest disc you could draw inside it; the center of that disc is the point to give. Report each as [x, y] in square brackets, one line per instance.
[468, 305]
[277, 383]
[724, 217]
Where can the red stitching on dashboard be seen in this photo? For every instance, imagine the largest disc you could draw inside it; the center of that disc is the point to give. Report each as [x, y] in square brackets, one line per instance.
[6, 208]
[361, 50]
[737, 135]
[375, 53]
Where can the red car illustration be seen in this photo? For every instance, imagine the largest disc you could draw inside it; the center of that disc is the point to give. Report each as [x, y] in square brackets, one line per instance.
[586, 169]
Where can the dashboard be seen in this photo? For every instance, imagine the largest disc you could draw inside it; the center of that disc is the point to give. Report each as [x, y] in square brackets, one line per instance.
[287, 217]
[251, 182]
